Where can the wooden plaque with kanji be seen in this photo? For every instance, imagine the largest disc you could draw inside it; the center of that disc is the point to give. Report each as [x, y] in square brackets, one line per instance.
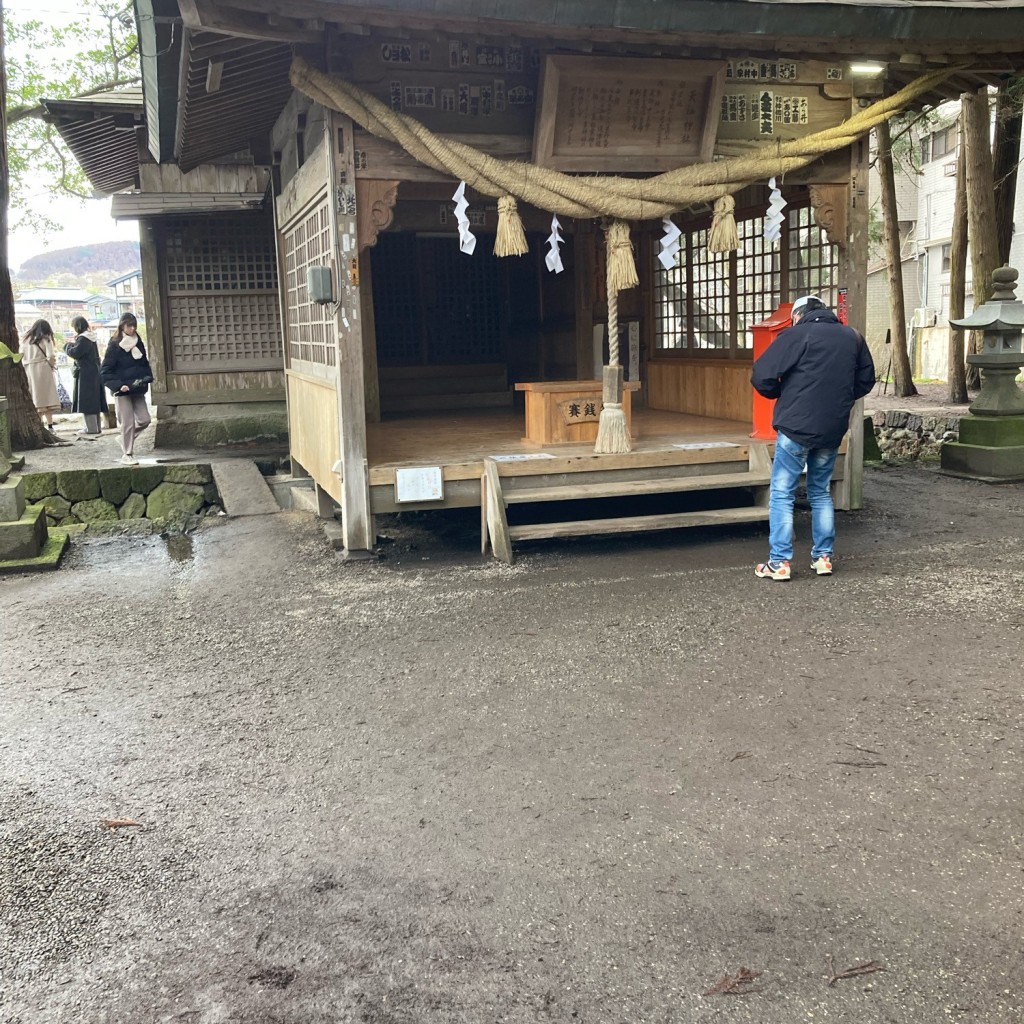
[626, 113]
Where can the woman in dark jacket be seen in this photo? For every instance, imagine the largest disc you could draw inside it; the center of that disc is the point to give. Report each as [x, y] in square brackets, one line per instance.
[89, 398]
[126, 372]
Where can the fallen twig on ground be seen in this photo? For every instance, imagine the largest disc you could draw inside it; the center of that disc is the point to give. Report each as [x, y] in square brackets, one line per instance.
[863, 750]
[120, 823]
[863, 764]
[738, 984]
[870, 967]
[739, 755]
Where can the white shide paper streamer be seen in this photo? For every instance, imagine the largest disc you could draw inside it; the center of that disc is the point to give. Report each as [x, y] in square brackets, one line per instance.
[774, 217]
[669, 243]
[467, 240]
[553, 259]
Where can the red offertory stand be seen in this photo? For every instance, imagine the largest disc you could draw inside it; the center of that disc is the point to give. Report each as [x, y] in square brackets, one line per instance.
[764, 334]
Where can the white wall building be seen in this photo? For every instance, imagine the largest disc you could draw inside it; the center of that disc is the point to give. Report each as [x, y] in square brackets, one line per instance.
[925, 201]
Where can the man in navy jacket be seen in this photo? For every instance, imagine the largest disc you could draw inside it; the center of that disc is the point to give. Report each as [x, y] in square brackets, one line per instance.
[816, 370]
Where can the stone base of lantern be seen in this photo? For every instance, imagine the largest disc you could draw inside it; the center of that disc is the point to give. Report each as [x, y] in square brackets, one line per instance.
[991, 448]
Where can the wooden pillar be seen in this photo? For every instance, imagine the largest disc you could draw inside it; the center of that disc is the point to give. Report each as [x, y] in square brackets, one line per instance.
[583, 260]
[375, 201]
[371, 375]
[853, 262]
[156, 338]
[358, 532]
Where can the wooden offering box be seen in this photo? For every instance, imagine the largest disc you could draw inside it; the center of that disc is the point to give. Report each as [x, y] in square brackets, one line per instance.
[561, 411]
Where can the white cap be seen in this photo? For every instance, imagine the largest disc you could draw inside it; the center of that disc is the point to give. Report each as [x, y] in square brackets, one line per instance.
[798, 306]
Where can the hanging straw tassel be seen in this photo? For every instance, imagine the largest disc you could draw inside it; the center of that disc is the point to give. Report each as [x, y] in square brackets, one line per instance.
[510, 239]
[619, 252]
[723, 237]
[612, 432]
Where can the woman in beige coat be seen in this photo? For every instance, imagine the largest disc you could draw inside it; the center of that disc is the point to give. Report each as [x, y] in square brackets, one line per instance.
[40, 362]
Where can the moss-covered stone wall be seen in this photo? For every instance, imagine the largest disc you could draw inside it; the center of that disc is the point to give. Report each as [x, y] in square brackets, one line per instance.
[96, 496]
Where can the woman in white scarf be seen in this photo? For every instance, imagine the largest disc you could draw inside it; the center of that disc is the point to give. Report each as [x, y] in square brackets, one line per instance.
[127, 374]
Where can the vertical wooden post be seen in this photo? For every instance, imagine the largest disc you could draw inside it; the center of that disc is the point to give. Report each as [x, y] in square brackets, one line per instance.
[371, 376]
[357, 522]
[156, 341]
[583, 261]
[853, 275]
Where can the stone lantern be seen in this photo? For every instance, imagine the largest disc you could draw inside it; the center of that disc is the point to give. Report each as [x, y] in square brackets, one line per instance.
[991, 444]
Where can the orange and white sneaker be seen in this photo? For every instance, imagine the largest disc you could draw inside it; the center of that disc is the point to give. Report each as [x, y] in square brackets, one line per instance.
[822, 565]
[773, 571]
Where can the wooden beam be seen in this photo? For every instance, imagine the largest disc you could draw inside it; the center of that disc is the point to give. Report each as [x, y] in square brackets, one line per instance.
[584, 257]
[156, 343]
[162, 397]
[213, 17]
[497, 522]
[371, 373]
[357, 521]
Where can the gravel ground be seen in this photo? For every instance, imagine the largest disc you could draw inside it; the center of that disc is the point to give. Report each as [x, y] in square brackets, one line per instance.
[931, 399]
[583, 788]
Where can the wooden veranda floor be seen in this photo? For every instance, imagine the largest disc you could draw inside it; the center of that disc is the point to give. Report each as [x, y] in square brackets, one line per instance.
[465, 438]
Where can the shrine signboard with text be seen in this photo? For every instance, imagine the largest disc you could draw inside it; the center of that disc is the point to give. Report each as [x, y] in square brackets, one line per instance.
[779, 100]
[626, 113]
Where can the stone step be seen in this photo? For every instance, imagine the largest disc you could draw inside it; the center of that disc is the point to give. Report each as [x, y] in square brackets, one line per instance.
[47, 559]
[25, 537]
[12, 499]
[243, 488]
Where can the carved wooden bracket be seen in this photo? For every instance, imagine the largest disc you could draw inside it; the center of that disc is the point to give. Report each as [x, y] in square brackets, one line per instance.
[830, 203]
[375, 209]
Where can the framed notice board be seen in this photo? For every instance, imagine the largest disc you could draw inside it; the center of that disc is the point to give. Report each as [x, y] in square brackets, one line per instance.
[626, 113]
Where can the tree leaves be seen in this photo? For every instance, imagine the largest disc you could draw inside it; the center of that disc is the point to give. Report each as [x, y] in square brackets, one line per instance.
[97, 50]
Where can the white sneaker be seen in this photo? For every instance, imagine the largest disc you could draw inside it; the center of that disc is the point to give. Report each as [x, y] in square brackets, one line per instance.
[129, 460]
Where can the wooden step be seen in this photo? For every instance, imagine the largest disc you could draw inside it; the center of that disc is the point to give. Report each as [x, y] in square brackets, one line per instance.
[638, 524]
[632, 488]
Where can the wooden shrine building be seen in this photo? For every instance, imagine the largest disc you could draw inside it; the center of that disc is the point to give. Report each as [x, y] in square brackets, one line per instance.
[297, 252]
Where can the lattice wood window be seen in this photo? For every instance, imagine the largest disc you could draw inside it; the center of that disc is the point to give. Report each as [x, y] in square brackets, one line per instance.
[310, 325]
[813, 261]
[435, 306]
[707, 303]
[400, 337]
[757, 279]
[221, 279]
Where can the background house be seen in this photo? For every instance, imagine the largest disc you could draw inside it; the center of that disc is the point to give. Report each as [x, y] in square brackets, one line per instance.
[57, 305]
[101, 308]
[128, 295]
[925, 198]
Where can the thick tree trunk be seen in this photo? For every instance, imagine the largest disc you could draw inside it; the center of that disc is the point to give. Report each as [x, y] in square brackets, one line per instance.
[957, 376]
[904, 378]
[27, 430]
[1005, 157]
[981, 206]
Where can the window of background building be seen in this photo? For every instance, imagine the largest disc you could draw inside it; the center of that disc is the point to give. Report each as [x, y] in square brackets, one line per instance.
[946, 254]
[944, 142]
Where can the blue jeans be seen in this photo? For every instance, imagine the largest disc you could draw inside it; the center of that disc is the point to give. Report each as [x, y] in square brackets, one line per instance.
[788, 464]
